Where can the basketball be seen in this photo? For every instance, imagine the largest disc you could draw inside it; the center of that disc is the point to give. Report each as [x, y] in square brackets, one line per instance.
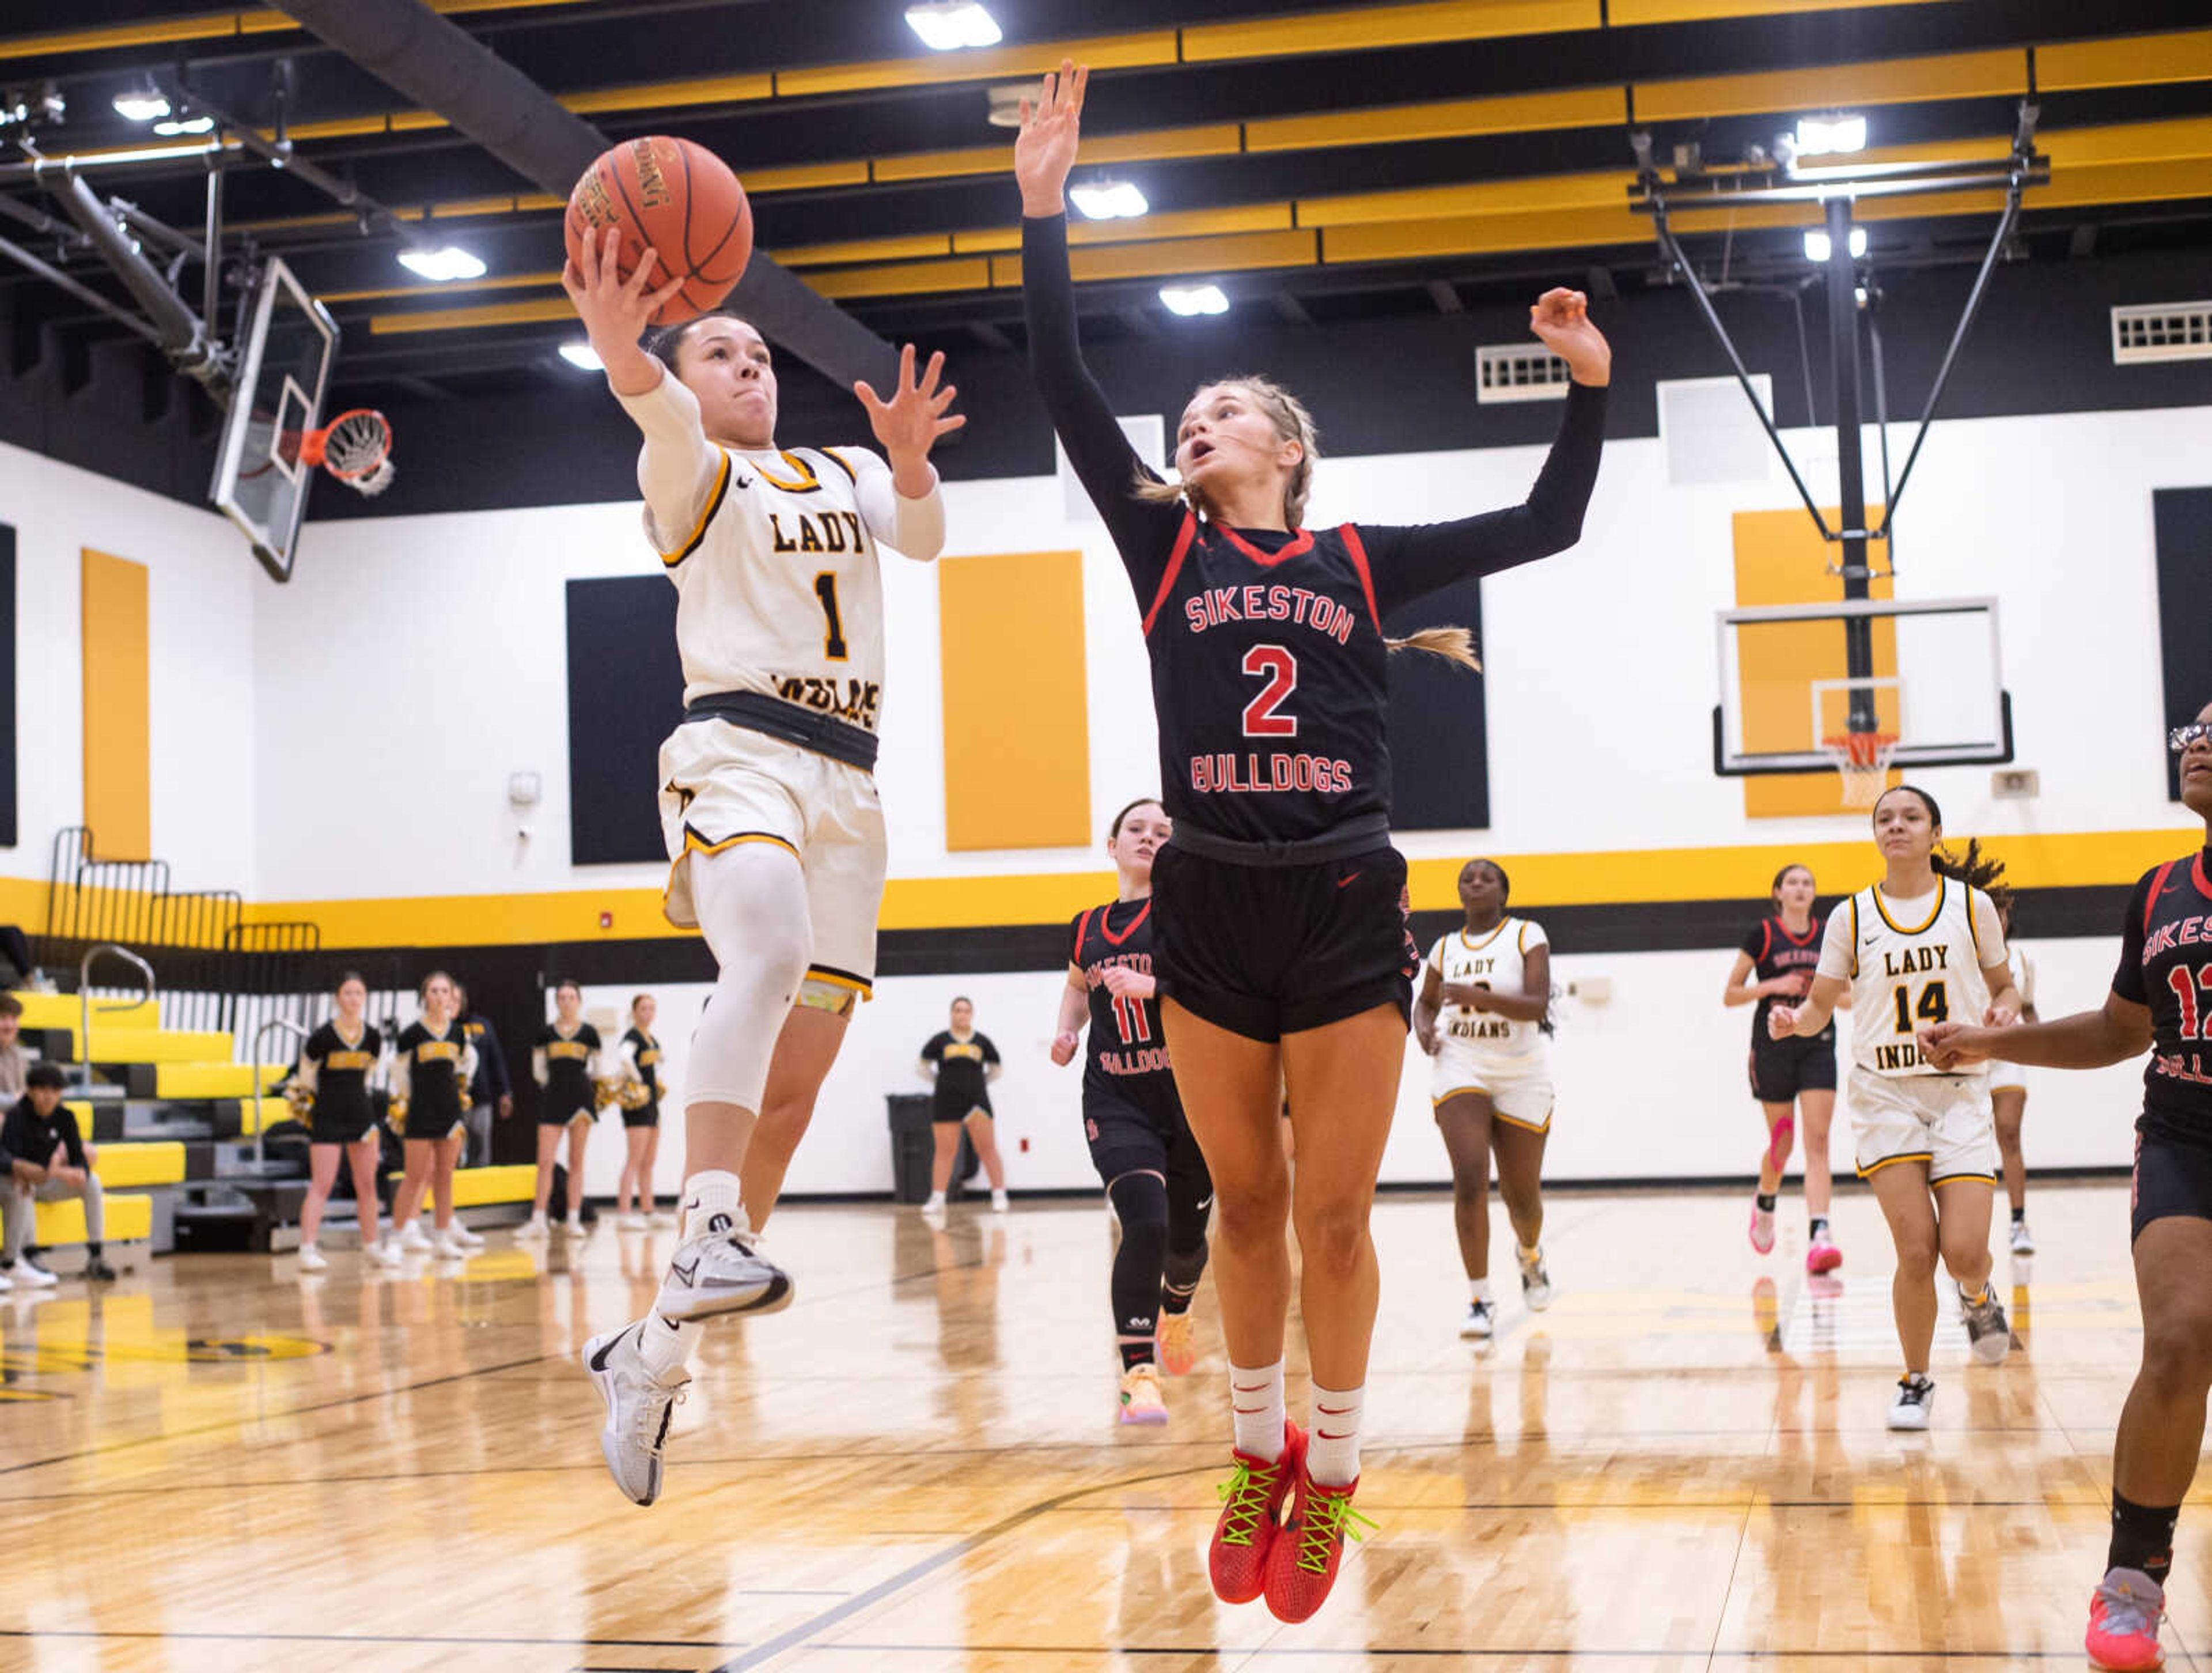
[677, 198]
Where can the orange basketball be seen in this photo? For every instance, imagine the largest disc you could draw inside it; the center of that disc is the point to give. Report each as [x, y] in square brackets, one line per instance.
[674, 198]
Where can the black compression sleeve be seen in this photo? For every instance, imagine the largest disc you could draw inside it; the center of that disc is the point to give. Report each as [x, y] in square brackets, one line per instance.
[1412, 562]
[1143, 531]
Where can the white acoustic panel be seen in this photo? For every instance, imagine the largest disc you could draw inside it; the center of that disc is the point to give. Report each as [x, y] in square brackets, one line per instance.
[2161, 331]
[1710, 433]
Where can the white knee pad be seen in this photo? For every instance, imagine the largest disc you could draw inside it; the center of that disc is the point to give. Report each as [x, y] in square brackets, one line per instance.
[751, 902]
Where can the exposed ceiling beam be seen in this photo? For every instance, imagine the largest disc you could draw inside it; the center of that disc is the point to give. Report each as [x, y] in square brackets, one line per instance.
[1446, 296]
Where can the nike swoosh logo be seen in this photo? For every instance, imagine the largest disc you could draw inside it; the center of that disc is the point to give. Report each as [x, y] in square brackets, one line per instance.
[1347, 882]
[1205, 1202]
[1869, 940]
[600, 1359]
[741, 482]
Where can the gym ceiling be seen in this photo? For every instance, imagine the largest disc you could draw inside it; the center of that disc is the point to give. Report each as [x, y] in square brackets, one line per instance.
[1321, 163]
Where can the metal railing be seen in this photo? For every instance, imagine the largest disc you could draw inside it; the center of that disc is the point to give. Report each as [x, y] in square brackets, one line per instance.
[147, 994]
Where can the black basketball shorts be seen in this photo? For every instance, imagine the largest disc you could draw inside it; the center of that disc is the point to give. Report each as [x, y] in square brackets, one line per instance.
[1780, 1069]
[1266, 951]
[1139, 1128]
[958, 1107]
[340, 1126]
[2172, 1179]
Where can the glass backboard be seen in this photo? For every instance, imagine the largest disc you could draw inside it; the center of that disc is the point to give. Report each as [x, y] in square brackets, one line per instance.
[261, 482]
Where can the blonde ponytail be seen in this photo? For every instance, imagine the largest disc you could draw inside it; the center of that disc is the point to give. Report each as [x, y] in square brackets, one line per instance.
[1454, 644]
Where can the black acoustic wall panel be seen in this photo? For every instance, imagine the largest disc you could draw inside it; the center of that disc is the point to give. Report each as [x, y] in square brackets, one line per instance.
[2183, 519]
[625, 695]
[1439, 726]
[8, 772]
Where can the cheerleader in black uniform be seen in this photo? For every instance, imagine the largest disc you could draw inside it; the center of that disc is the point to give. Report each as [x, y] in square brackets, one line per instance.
[566, 1063]
[1280, 908]
[961, 1064]
[335, 1066]
[1139, 1142]
[431, 1063]
[641, 1095]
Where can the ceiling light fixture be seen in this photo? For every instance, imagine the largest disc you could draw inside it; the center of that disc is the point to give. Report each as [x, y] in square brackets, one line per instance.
[444, 265]
[141, 104]
[1831, 135]
[1818, 247]
[1191, 299]
[582, 356]
[947, 26]
[1109, 200]
[175, 128]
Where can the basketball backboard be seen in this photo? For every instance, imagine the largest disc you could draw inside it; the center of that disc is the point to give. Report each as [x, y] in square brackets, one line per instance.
[1933, 680]
[261, 479]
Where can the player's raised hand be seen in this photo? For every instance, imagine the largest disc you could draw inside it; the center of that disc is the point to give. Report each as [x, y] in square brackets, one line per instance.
[909, 424]
[1781, 1022]
[615, 310]
[1052, 125]
[1064, 1046]
[1123, 983]
[1562, 318]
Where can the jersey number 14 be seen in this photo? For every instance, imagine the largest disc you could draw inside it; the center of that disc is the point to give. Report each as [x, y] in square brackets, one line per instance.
[1935, 1005]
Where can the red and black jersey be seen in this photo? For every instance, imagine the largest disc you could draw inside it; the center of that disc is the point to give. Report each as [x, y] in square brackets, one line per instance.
[1775, 951]
[1127, 1051]
[2166, 963]
[1270, 680]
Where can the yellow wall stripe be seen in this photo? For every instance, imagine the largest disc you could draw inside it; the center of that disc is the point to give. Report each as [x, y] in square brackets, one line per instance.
[1361, 29]
[2047, 860]
[118, 710]
[1015, 706]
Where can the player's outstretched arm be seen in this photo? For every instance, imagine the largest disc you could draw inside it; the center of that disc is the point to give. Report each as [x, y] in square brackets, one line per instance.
[902, 506]
[616, 311]
[2087, 1040]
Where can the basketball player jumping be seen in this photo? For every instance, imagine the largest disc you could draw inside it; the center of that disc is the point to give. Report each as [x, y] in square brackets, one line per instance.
[1923, 946]
[2161, 1002]
[768, 804]
[1279, 910]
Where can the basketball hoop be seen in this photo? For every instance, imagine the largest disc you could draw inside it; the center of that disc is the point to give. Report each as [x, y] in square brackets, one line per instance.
[1862, 760]
[355, 447]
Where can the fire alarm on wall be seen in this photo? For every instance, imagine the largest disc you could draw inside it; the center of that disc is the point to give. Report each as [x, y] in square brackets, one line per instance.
[606, 921]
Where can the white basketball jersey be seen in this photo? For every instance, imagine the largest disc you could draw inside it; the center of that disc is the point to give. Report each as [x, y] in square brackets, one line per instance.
[1498, 961]
[1909, 972]
[779, 586]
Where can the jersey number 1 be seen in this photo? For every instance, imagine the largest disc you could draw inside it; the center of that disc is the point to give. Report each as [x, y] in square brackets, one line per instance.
[2196, 1023]
[1280, 670]
[1130, 1018]
[833, 636]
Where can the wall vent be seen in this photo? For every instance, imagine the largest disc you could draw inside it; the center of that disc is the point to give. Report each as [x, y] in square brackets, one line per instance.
[2161, 331]
[1511, 372]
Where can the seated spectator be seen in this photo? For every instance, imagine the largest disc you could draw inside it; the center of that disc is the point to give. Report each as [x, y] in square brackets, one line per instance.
[12, 1061]
[48, 1161]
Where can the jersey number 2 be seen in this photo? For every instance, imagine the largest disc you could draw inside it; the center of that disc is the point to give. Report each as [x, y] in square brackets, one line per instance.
[2195, 1022]
[833, 634]
[1280, 670]
[1935, 1005]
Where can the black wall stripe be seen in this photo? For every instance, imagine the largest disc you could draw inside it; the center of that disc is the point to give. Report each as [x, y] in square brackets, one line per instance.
[2183, 519]
[9, 752]
[625, 695]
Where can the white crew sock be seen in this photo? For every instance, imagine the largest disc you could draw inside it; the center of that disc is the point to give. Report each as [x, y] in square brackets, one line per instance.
[1477, 1289]
[665, 1345]
[1255, 1400]
[1333, 1454]
[1529, 1254]
[706, 1195]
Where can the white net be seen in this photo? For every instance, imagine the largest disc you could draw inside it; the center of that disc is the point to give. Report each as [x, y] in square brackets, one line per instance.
[357, 447]
[1862, 760]
[375, 482]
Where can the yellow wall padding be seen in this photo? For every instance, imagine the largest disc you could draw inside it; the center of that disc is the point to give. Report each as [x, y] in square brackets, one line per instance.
[1780, 558]
[1017, 730]
[117, 776]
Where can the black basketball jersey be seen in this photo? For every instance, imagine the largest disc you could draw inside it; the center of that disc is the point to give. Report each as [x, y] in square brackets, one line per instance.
[2166, 963]
[1270, 679]
[962, 1067]
[1127, 1050]
[343, 1067]
[646, 1051]
[434, 1087]
[569, 1066]
[1774, 952]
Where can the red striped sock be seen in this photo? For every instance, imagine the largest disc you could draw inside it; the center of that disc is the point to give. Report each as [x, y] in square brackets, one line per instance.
[1256, 1399]
[1332, 1453]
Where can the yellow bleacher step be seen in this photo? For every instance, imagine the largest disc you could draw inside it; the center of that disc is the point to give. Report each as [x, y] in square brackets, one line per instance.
[158, 1045]
[255, 1113]
[212, 1079]
[478, 1187]
[129, 1219]
[67, 1011]
[157, 1162]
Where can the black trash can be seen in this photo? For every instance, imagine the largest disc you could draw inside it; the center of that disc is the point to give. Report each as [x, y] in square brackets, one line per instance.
[912, 1146]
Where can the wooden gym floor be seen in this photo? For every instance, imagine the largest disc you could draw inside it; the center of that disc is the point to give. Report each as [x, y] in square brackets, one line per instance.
[1683, 1464]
